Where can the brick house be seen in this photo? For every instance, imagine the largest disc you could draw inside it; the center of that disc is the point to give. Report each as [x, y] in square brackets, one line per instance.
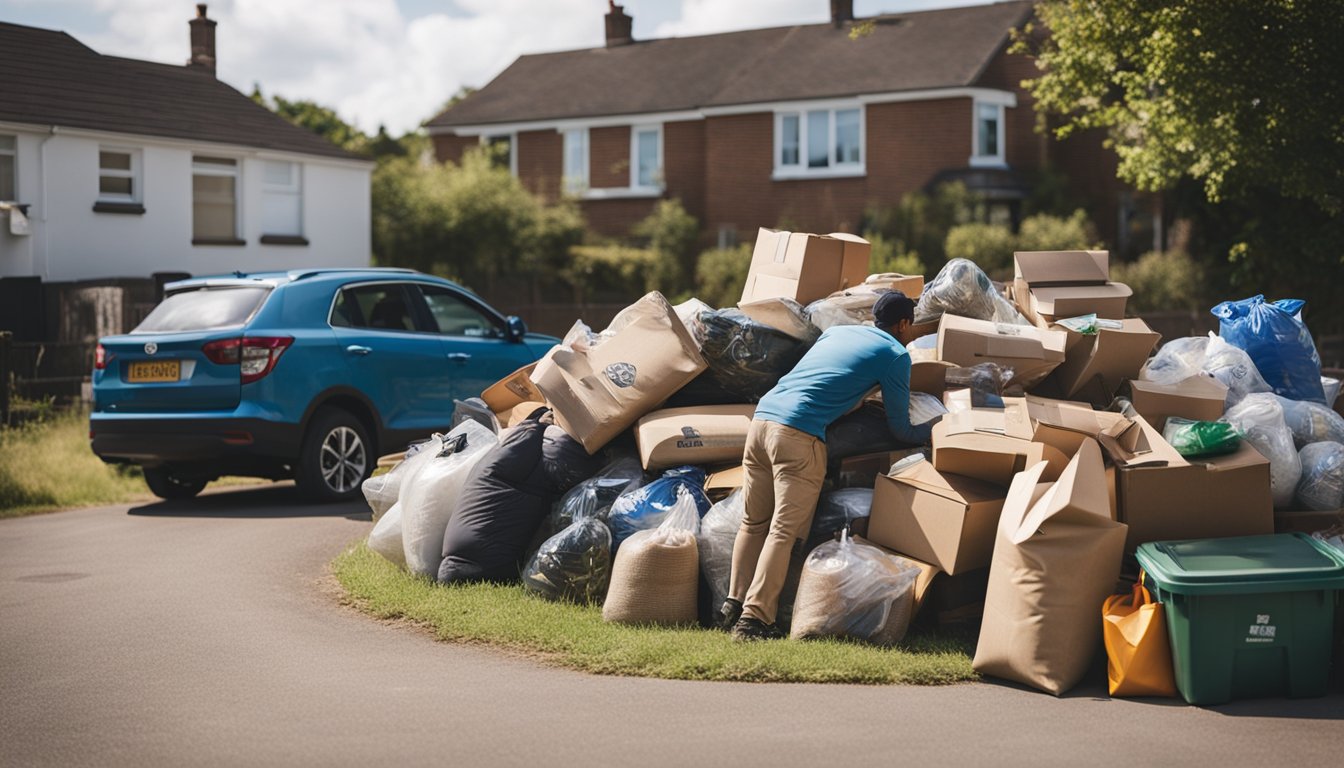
[804, 126]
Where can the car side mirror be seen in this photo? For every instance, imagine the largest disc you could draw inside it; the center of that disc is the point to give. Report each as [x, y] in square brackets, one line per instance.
[517, 329]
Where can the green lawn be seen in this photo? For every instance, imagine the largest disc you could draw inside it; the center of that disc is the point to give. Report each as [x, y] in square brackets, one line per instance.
[576, 637]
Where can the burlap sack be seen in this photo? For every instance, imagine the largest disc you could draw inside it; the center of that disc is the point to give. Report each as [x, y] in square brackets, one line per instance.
[654, 579]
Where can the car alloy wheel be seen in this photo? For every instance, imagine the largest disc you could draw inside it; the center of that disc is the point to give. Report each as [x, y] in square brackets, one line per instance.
[343, 459]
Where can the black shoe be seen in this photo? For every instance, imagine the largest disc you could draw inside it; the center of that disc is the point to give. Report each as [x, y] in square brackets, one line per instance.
[747, 629]
[728, 614]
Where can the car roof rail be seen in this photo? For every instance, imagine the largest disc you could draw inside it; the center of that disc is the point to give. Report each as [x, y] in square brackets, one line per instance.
[300, 274]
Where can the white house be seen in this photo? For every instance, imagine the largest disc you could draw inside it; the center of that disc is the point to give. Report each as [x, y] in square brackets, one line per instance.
[116, 167]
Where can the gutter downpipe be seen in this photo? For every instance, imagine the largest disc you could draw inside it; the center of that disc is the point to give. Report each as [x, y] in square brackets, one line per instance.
[46, 236]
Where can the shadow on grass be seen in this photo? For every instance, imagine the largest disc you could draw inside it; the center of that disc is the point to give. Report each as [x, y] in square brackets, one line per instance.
[252, 503]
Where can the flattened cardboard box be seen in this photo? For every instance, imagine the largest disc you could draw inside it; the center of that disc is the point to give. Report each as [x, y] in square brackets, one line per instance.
[777, 314]
[944, 519]
[1199, 398]
[1031, 352]
[804, 267]
[1048, 285]
[513, 389]
[706, 434]
[1096, 366]
[911, 285]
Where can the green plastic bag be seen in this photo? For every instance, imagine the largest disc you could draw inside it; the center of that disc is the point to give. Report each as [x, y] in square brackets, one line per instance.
[1201, 438]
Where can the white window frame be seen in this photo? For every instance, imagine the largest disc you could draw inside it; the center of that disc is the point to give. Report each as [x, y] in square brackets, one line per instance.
[294, 188]
[512, 136]
[978, 160]
[575, 184]
[14, 153]
[208, 169]
[134, 174]
[659, 182]
[833, 169]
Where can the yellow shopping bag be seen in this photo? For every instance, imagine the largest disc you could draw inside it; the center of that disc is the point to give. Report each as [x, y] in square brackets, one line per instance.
[1138, 652]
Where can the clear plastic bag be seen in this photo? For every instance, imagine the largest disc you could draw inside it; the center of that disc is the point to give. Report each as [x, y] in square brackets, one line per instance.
[962, 288]
[382, 491]
[646, 507]
[474, 408]
[925, 407]
[718, 533]
[989, 383]
[574, 565]
[1322, 485]
[429, 498]
[656, 576]
[1259, 419]
[618, 477]
[744, 356]
[687, 312]
[1333, 536]
[1277, 340]
[843, 308]
[836, 511]
[854, 590]
[385, 538]
[1177, 360]
[1234, 368]
[1201, 438]
[1331, 388]
[1312, 422]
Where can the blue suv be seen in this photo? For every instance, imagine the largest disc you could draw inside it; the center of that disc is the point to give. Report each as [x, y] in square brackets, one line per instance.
[302, 374]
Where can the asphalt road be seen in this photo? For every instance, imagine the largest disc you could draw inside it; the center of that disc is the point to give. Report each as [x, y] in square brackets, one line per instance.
[207, 633]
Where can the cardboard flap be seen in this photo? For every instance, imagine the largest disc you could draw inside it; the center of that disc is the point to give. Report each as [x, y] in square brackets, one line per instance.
[1049, 299]
[734, 477]
[929, 376]
[1107, 359]
[1144, 447]
[1061, 267]
[960, 489]
[1025, 491]
[778, 314]
[1079, 497]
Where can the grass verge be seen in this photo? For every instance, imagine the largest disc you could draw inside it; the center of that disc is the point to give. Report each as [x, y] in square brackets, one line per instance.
[576, 637]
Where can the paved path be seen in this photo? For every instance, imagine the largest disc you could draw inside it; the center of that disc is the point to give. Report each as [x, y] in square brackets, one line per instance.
[205, 633]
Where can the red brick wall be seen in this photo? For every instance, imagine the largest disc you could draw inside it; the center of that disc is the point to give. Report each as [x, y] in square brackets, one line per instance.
[910, 142]
[684, 164]
[449, 149]
[609, 157]
[1024, 148]
[541, 162]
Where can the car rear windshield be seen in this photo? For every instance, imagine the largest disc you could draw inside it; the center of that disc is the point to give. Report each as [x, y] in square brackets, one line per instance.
[204, 309]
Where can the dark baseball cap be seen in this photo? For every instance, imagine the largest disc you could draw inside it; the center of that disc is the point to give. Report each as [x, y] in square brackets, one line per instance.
[893, 307]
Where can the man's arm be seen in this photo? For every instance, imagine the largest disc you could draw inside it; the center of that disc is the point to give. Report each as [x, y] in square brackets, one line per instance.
[896, 399]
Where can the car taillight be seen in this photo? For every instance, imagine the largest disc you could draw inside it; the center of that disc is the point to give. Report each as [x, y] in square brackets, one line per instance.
[100, 359]
[255, 356]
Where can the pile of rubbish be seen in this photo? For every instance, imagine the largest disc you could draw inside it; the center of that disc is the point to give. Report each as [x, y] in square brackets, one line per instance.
[1066, 441]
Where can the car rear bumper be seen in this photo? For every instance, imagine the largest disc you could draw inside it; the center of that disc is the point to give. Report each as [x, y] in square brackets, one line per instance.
[240, 445]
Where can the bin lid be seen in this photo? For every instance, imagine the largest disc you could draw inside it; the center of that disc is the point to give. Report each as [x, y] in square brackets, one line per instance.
[1288, 562]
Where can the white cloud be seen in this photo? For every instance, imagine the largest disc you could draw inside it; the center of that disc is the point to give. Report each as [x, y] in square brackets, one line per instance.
[701, 17]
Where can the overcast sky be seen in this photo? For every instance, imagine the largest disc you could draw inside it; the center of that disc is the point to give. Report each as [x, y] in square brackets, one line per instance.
[395, 62]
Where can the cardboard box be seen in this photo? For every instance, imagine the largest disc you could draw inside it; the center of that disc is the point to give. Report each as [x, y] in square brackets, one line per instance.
[1096, 366]
[804, 267]
[929, 376]
[1199, 398]
[781, 314]
[984, 444]
[513, 389]
[599, 392]
[727, 479]
[911, 285]
[1031, 352]
[706, 434]
[944, 519]
[1048, 285]
[1163, 496]
[927, 572]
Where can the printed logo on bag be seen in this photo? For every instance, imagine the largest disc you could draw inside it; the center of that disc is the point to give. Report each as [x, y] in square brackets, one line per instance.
[1261, 631]
[690, 438]
[621, 374]
[151, 348]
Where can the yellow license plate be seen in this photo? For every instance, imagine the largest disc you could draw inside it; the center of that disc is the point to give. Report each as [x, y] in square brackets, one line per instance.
[154, 370]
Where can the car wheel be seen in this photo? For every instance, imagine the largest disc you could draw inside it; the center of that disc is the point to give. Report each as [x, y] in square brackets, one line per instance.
[336, 456]
[166, 485]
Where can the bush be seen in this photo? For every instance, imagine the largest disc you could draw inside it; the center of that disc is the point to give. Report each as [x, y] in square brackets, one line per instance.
[920, 222]
[887, 256]
[617, 273]
[1163, 281]
[1044, 232]
[672, 232]
[720, 274]
[989, 245]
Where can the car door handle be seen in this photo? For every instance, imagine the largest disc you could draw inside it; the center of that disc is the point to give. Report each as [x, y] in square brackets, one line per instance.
[459, 357]
[356, 349]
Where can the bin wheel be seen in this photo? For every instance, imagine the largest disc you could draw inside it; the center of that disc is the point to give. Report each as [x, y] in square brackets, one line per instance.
[166, 485]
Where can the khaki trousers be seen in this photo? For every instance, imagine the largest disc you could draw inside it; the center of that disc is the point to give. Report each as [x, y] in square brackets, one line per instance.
[784, 472]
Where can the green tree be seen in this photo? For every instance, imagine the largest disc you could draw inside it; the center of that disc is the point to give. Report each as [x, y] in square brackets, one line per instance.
[720, 274]
[672, 233]
[319, 119]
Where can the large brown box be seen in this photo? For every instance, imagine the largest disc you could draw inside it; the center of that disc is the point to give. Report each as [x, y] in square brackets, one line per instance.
[705, 434]
[990, 445]
[598, 392]
[1198, 398]
[804, 267]
[1095, 366]
[943, 519]
[1049, 285]
[1031, 352]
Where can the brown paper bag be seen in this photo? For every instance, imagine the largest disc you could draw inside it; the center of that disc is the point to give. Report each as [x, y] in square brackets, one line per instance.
[1056, 558]
[599, 391]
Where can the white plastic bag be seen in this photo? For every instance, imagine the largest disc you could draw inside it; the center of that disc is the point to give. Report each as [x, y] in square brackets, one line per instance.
[718, 533]
[1331, 387]
[1322, 485]
[854, 590]
[1259, 419]
[385, 538]
[925, 407]
[1177, 360]
[1235, 369]
[656, 576]
[1311, 422]
[428, 500]
[382, 491]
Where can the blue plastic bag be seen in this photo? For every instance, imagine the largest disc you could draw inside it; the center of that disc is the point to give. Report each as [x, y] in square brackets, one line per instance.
[1277, 341]
[645, 507]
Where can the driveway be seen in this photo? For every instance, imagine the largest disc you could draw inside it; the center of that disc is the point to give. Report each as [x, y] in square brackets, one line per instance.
[207, 633]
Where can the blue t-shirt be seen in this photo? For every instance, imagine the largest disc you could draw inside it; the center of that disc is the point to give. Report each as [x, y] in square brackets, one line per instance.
[845, 363]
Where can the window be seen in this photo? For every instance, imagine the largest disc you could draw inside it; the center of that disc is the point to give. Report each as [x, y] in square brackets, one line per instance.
[118, 171]
[819, 142]
[214, 200]
[8, 156]
[646, 158]
[454, 316]
[204, 309]
[988, 134]
[501, 152]
[576, 160]
[382, 306]
[282, 198]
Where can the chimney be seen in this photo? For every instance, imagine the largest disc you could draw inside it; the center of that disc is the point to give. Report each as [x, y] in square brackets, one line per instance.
[202, 41]
[842, 12]
[618, 25]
